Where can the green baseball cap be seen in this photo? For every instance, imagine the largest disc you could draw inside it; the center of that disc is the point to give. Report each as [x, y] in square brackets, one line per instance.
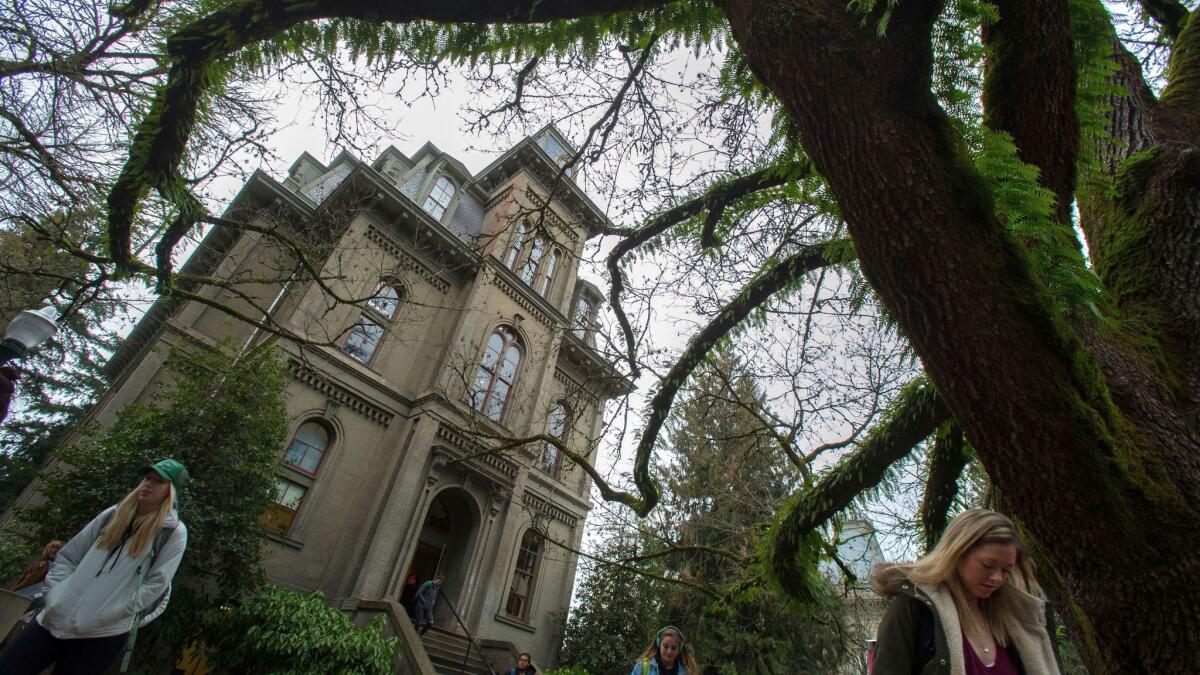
[171, 469]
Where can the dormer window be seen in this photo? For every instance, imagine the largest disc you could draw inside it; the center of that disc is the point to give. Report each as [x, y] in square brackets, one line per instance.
[439, 197]
[584, 323]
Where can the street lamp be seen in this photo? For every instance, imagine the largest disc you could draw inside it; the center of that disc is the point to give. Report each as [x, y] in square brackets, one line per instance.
[27, 330]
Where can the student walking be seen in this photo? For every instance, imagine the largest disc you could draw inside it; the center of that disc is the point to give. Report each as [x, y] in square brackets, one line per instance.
[102, 581]
[32, 577]
[970, 607]
[424, 602]
[667, 655]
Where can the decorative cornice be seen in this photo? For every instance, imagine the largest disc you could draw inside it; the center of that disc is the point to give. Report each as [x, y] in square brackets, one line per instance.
[575, 387]
[480, 459]
[407, 260]
[542, 507]
[338, 393]
[520, 298]
[499, 197]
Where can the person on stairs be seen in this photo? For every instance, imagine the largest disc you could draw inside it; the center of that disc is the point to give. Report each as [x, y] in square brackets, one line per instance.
[424, 602]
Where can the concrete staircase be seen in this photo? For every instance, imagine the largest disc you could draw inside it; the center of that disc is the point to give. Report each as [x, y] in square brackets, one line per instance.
[446, 651]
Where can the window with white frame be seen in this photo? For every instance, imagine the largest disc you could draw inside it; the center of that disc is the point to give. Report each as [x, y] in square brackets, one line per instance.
[521, 591]
[496, 377]
[533, 260]
[439, 197]
[364, 339]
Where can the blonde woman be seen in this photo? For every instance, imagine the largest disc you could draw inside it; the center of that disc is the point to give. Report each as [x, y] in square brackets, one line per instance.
[667, 655]
[103, 579]
[969, 607]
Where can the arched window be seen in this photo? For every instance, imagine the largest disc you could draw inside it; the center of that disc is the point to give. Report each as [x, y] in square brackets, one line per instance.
[545, 275]
[529, 271]
[497, 374]
[439, 197]
[300, 464]
[386, 299]
[556, 426]
[364, 339]
[524, 576]
[518, 243]
[307, 448]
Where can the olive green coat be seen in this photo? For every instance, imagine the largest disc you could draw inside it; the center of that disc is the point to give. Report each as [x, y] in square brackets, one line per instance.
[896, 648]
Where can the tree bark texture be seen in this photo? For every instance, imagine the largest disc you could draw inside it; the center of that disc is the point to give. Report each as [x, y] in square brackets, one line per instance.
[1110, 499]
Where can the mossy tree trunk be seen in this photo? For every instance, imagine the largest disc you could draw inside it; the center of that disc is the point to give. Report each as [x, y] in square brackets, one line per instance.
[1089, 429]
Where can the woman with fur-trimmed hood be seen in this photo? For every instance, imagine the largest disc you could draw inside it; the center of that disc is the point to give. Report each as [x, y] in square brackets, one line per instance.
[970, 607]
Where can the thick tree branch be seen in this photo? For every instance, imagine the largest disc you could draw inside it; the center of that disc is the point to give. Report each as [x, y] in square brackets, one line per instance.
[914, 415]
[1172, 15]
[947, 458]
[1029, 91]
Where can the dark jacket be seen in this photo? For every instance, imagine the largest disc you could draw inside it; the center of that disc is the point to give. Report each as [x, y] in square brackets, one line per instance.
[903, 642]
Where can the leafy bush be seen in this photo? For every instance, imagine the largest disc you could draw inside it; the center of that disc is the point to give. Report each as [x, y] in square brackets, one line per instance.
[284, 632]
[567, 670]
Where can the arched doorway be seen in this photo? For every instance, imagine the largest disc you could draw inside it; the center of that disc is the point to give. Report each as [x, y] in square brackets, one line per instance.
[445, 545]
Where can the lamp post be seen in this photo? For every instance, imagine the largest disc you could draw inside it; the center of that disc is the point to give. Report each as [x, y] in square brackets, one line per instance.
[27, 330]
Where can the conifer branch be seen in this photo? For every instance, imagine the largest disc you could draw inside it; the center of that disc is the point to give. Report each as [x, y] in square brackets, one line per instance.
[1171, 15]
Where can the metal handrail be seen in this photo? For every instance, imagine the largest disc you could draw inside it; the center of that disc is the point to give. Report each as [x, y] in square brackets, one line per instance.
[470, 639]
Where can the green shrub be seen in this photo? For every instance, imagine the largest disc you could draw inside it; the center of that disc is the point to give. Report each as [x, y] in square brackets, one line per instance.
[284, 632]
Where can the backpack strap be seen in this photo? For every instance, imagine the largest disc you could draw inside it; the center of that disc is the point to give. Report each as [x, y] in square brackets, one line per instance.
[645, 666]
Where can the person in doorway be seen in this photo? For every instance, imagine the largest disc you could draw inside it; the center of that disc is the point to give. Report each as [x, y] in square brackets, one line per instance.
[103, 579]
[410, 590]
[524, 665]
[667, 655]
[33, 575]
[424, 602]
[970, 607]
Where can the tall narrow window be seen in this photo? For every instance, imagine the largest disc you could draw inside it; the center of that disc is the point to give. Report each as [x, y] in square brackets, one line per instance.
[524, 575]
[439, 197]
[535, 259]
[364, 339]
[307, 448]
[386, 300]
[583, 319]
[556, 426]
[545, 276]
[497, 374]
[518, 243]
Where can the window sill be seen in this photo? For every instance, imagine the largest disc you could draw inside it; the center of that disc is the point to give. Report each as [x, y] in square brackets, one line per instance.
[285, 540]
[502, 618]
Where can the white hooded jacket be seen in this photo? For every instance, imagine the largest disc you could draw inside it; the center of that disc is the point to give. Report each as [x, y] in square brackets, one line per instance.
[91, 592]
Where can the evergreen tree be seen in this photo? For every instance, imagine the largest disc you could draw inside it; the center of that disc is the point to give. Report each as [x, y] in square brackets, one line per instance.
[726, 483]
[616, 610]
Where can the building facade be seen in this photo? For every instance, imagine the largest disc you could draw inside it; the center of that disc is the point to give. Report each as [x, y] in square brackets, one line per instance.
[446, 315]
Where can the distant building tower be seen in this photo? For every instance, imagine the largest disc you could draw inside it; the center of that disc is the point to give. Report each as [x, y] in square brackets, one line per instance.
[858, 548]
[476, 319]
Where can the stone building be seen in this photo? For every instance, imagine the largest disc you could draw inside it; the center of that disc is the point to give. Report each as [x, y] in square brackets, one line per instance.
[474, 325]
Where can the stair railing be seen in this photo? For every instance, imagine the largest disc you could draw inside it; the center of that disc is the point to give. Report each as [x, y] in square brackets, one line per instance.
[470, 639]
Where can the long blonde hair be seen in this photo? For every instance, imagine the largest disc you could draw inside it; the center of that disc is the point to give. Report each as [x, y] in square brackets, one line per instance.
[145, 527]
[968, 531]
[685, 655]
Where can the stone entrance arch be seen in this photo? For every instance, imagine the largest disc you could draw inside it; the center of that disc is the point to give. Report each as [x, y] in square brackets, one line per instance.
[446, 544]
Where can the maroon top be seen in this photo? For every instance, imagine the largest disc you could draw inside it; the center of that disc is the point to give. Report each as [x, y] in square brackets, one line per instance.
[1003, 666]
